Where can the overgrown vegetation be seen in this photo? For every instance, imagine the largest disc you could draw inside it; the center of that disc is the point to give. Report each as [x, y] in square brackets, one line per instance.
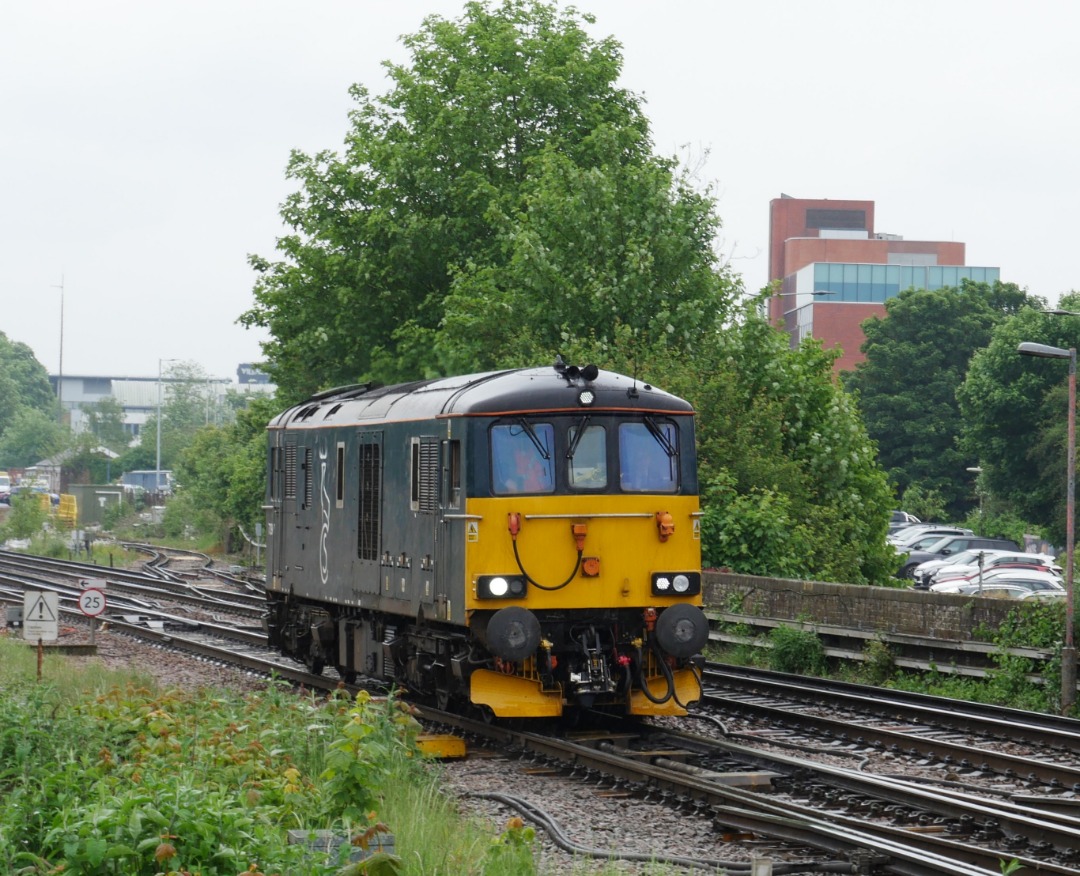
[1008, 683]
[799, 652]
[101, 773]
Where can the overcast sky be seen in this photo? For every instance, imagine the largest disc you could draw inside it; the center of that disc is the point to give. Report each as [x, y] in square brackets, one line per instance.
[144, 143]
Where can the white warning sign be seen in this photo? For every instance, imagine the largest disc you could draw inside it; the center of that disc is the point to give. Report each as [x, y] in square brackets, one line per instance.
[41, 615]
[472, 531]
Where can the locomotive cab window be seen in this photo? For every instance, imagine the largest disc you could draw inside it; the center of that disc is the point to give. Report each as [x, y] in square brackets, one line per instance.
[649, 456]
[522, 458]
[587, 457]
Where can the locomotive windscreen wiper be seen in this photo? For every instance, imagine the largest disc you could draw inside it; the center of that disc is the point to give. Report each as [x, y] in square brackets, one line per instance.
[537, 443]
[577, 436]
[659, 435]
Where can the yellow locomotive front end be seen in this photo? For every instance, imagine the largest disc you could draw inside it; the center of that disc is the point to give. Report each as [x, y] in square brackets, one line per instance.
[583, 563]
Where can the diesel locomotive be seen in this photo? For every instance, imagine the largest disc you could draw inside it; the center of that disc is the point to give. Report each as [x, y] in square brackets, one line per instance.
[526, 541]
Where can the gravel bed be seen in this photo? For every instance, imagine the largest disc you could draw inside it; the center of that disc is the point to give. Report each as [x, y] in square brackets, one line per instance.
[610, 825]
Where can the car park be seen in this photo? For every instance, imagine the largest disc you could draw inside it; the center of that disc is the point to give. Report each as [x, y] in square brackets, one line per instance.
[950, 545]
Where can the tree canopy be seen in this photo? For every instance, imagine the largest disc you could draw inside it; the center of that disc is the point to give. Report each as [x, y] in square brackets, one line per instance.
[500, 199]
[28, 428]
[916, 359]
[501, 204]
[1014, 410]
[790, 482]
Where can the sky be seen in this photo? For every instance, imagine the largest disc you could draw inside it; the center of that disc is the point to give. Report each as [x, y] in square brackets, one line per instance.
[144, 144]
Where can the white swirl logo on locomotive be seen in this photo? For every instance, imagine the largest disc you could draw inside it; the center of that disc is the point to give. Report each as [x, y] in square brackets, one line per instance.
[524, 542]
[324, 502]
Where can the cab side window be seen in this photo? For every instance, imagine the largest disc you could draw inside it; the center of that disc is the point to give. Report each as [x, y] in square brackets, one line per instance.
[648, 458]
[522, 461]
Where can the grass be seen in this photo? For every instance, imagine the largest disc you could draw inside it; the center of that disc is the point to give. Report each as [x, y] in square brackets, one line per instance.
[101, 772]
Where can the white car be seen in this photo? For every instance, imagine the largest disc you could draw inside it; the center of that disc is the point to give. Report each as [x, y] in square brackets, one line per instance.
[964, 565]
[1011, 576]
[957, 564]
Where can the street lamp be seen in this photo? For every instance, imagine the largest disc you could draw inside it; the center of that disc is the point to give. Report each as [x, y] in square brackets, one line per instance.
[793, 293]
[977, 470]
[1068, 653]
[157, 466]
[60, 376]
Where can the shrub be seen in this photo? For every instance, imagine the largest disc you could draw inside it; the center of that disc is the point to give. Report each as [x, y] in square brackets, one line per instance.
[796, 651]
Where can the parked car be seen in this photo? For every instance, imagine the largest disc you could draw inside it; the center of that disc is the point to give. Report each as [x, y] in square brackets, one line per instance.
[1001, 561]
[923, 531]
[1046, 595]
[923, 541]
[900, 519]
[1004, 590]
[1032, 579]
[926, 573]
[950, 545]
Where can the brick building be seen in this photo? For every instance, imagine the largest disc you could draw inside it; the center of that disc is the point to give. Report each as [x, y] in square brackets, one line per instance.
[836, 271]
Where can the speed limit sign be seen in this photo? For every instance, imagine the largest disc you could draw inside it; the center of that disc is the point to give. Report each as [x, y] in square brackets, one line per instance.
[91, 602]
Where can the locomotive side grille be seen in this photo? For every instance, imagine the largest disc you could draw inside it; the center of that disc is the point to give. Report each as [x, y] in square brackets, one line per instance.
[428, 481]
[290, 470]
[309, 477]
[370, 495]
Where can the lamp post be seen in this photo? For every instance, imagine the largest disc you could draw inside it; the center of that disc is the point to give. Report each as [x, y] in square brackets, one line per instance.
[977, 470]
[1068, 653]
[60, 376]
[157, 465]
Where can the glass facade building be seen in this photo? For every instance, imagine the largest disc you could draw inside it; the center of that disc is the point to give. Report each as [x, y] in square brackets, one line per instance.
[876, 283]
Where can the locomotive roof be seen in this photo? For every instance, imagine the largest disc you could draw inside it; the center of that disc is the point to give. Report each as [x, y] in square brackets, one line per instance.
[490, 393]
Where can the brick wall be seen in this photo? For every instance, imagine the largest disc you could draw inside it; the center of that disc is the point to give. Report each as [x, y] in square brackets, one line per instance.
[875, 609]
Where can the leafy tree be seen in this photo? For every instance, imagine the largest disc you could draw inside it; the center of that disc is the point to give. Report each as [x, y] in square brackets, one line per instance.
[186, 407]
[500, 198]
[500, 203]
[26, 517]
[916, 358]
[105, 421]
[789, 479]
[24, 382]
[29, 437]
[1014, 413]
[86, 460]
[222, 474]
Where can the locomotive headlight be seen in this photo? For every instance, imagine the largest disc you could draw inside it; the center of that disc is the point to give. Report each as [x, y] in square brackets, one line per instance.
[500, 587]
[676, 583]
[586, 397]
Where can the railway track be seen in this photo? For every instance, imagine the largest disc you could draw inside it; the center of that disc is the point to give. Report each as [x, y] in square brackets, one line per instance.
[857, 823]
